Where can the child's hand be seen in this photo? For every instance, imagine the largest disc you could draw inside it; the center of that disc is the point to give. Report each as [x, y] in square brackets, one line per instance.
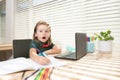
[42, 54]
[43, 60]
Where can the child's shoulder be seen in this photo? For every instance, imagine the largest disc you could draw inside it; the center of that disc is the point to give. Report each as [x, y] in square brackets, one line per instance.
[34, 42]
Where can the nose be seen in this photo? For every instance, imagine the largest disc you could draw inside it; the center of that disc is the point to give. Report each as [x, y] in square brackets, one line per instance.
[43, 33]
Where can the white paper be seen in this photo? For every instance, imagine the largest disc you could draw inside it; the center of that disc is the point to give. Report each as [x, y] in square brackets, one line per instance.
[20, 64]
[53, 63]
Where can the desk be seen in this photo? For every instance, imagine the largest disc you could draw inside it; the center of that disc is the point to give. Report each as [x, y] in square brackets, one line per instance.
[3, 49]
[87, 68]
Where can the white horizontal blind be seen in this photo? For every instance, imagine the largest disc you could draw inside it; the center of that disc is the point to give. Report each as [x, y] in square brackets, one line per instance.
[69, 16]
[22, 19]
[64, 16]
[100, 15]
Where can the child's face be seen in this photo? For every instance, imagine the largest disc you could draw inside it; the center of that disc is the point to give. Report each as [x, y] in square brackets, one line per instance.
[43, 33]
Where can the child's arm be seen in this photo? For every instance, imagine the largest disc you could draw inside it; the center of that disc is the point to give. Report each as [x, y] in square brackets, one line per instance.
[54, 50]
[39, 59]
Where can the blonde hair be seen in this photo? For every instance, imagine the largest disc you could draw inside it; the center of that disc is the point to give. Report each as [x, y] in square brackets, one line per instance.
[35, 29]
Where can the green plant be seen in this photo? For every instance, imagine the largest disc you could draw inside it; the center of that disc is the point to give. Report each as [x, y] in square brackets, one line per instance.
[104, 36]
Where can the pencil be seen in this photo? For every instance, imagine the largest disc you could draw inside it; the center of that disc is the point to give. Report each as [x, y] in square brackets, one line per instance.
[32, 74]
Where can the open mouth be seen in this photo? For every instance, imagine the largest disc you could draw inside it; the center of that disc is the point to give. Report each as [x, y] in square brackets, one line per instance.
[43, 37]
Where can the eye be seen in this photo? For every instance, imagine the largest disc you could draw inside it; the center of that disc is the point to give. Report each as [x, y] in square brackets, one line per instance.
[47, 31]
[40, 31]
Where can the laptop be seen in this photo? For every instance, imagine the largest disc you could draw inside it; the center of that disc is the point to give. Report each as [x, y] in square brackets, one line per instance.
[80, 48]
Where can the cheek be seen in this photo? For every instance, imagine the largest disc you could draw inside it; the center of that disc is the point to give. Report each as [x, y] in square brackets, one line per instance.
[48, 35]
[35, 35]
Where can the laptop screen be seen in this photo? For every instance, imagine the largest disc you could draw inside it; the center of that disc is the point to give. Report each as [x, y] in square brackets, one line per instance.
[80, 48]
[80, 45]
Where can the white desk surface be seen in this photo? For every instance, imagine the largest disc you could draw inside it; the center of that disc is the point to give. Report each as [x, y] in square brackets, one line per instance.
[87, 68]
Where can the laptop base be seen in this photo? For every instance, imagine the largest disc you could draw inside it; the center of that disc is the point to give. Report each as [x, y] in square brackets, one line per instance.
[70, 57]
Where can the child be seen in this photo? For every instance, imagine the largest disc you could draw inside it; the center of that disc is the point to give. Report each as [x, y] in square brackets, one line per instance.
[40, 46]
[42, 43]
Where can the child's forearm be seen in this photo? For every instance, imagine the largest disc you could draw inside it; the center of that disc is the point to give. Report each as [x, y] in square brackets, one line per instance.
[39, 59]
[53, 51]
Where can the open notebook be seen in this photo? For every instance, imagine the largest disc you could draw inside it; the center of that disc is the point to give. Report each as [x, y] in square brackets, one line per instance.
[20, 64]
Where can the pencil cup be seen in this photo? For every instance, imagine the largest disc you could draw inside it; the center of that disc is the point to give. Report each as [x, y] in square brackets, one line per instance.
[90, 47]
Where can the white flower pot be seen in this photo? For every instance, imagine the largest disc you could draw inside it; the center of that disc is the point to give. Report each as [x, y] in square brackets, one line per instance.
[105, 45]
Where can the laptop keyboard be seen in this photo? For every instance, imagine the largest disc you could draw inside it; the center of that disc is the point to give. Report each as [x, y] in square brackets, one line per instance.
[67, 54]
[70, 55]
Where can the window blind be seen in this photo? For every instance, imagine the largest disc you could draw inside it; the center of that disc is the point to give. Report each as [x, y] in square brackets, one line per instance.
[64, 18]
[100, 15]
[22, 19]
[69, 16]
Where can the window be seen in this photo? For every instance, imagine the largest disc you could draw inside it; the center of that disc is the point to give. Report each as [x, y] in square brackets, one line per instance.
[2, 21]
[69, 16]
[22, 19]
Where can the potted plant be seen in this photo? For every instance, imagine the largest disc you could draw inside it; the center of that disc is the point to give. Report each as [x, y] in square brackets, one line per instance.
[104, 41]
